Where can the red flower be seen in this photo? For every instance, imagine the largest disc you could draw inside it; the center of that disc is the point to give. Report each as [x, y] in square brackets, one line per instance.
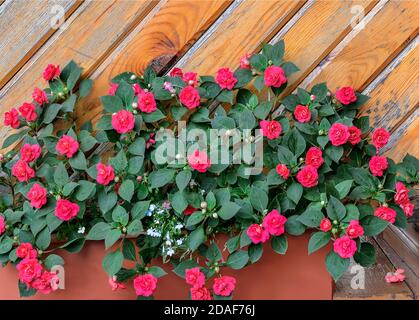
[28, 111]
[189, 210]
[325, 225]
[112, 89]
[199, 161]
[26, 250]
[271, 129]
[302, 113]
[29, 270]
[354, 135]
[274, 223]
[244, 61]
[378, 165]
[346, 95]
[29, 152]
[354, 229]
[345, 247]
[339, 134]
[146, 102]
[195, 277]
[51, 72]
[67, 146]
[283, 171]
[105, 174]
[66, 210]
[225, 78]
[123, 121]
[145, 285]
[176, 72]
[274, 77]
[191, 78]
[46, 283]
[39, 96]
[224, 286]
[22, 171]
[137, 89]
[189, 97]
[380, 137]
[408, 208]
[11, 118]
[402, 194]
[257, 234]
[308, 176]
[201, 293]
[386, 213]
[314, 157]
[37, 196]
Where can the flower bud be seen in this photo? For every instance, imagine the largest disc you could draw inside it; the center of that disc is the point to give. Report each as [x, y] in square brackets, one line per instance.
[321, 132]
[251, 138]
[335, 222]
[60, 94]
[134, 105]
[334, 230]
[217, 269]
[139, 178]
[380, 186]
[124, 229]
[204, 210]
[116, 179]
[190, 82]
[322, 203]
[134, 111]
[328, 93]
[228, 133]
[204, 205]
[1, 157]
[149, 86]
[312, 97]
[385, 204]
[57, 197]
[270, 62]
[301, 160]
[178, 156]
[215, 215]
[133, 77]
[254, 73]
[173, 95]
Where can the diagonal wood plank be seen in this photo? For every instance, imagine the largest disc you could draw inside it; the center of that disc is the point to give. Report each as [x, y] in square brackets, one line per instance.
[19, 44]
[172, 28]
[361, 57]
[89, 39]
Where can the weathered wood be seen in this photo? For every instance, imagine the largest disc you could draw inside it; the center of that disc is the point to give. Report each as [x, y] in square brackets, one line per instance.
[89, 40]
[16, 43]
[172, 28]
[366, 51]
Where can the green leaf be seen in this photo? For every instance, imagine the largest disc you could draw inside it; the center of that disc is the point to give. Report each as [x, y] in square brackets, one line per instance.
[183, 178]
[311, 217]
[119, 162]
[334, 153]
[85, 189]
[238, 259]
[112, 237]
[246, 119]
[74, 245]
[317, 241]
[111, 104]
[51, 112]
[366, 255]
[183, 266]
[98, 231]
[289, 68]
[225, 96]
[85, 87]
[373, 225]
[128, 249]
[343, 188]
[280, 244]
[196, 238]
[112, 262]
[336, 265]
[243, 77]
[53, 260]
[120, 215]
[161, 177]
[293, 226]
[69, 188]
[228, 210]
[259, 62]
[154, 116]
[25, 291]
[60, 175]
[195, 218]
[294, 192]
[263, 109]
[107, 200]
[137, 147]
[335, 209]
[255, 252]
[140, 209]
[13, 138]
[6, 244]
[126, 190]
[43, 239]
[157, 271]
[134, 228]
[258, 199]
[296, 143]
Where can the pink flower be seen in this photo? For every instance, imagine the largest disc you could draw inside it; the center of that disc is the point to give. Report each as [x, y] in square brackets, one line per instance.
[26, 251]
[145, 285]
[150, 141]
[283, 171]
[354, 135]
[22, 171]
[408, 209]
[345, 247]
[11, 118]
[225, 78]
[190, 97]
[112, 89]
[302, 113]
[325, 225]
[314, 157]
[66, 210]
[51, 72]
[386, 213]
[339, 134]
[199, 161]
[189, 210]
[176, 72]
[245, 61]
[271, 129]
[380, 137]
[39, 96]
[345, 95]
[67, 146]
[402, 194]
[169, 87]
[354, 229]
[274, 223]
[38, 196]
[201, 293]
[137, 89]
[28, 111]
[224, 286]
[378, 165]
[257, 234]
[274, 77]
[105, 174]
[195, 277]
[29, 270]
[2, 225]
[397, 276]
[29, 152]
[115, 285]
[46, 283]
[308, 176]
[190, 78]
[123, 121]
[146, 102]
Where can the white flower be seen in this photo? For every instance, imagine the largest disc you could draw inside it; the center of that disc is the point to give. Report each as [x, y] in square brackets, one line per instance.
[153, 233]
[160, 211]
[179, 226]
[170, 252]
[179, 242]
[168, 242]
[81, 230]
[152, 207]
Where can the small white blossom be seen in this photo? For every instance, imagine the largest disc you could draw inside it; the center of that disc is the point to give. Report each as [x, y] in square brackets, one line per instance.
[178, 226]
[179, 242]
[152, 207]
[81, 230]
[170, 252]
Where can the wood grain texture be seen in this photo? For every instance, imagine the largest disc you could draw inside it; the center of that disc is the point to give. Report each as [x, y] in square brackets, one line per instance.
[16, 19]
[366, 54]
[89, 39]
[173, 27]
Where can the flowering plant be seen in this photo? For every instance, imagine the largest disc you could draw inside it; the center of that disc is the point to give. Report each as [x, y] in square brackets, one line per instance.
[157, 190]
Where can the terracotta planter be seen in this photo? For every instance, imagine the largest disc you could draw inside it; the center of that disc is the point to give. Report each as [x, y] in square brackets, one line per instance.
[292, 276]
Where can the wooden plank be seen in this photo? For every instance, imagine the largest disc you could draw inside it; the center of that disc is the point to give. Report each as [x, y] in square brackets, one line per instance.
[16, 42]
[397, 95]
[89, 40]
[363, 54]
[171, 30]
[376, 287]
